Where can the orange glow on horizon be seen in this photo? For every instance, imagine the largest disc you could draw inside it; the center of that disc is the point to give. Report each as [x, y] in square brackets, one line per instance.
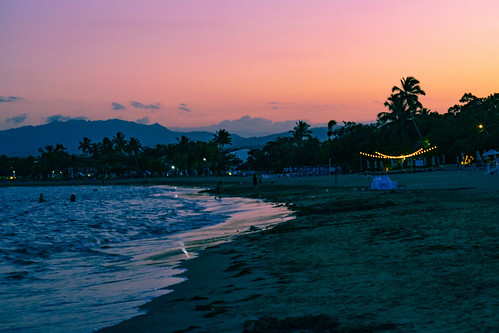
[205, 62]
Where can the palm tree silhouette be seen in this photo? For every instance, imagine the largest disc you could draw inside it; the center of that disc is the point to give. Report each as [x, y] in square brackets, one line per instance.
[134, 147]
[183, 141]
[403, 105]
[396, 117]
[222, 138]
[408, 92]
[300, 131]
[85, 146]
[60, 148]
[119, 142]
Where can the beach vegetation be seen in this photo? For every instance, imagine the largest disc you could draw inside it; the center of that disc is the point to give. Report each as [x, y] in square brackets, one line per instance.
[224, 161]
[222, 138]
[468, 127]
[330, 126]
[301, 132]
[403, 107]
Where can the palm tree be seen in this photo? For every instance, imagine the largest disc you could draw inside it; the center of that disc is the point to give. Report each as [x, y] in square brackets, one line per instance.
[409, 92]
[403, 105]
[85, 146]
[46, 149]
[107, 145]
[300, 131]
[60, 148]
[330, 126]
[95, 148]
[183, 141]
[134, 147]
[119, 142]
[397, 116]
[222, 138]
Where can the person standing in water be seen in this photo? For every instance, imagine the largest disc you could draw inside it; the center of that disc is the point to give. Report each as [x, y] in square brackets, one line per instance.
[217, 191]
[41, 198]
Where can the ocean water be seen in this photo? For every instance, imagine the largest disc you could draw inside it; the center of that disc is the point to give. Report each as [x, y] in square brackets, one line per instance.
[79, 266]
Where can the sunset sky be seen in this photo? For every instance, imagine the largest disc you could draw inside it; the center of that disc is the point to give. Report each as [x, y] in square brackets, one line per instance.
[196, 63]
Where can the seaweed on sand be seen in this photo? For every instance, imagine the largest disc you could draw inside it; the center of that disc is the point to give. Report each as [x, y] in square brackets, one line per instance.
[267, 324]
[318, 323]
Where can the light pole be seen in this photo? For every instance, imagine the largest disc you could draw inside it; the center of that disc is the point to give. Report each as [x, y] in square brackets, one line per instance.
[204, 166]
[481, 128]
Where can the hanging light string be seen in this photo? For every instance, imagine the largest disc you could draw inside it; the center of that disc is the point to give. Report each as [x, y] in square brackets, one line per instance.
[416, 153]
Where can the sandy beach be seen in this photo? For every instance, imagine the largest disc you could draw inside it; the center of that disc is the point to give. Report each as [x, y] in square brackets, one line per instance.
[422, 258]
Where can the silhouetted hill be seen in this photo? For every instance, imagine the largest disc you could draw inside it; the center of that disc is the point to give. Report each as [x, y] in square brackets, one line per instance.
[24, 141]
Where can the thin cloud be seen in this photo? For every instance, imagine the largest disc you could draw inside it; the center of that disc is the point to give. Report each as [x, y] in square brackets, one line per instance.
[184, 107]
[9, 99]
[17, 119]
[247, 126]
[143, 121]
[139, 105]
[275, 105]
[60, 117]
[117, 106]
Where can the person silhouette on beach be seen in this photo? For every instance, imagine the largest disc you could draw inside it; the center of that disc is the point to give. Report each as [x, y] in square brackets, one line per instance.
[41, 198]
[217, 191]
[255, 180]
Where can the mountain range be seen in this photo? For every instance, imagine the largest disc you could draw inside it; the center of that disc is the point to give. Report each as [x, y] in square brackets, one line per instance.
[26, 140]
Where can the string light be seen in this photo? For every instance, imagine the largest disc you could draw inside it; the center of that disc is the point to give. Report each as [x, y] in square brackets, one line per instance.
[400, 157]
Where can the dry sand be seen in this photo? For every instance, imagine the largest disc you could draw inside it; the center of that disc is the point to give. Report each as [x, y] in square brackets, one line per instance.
[422, 258]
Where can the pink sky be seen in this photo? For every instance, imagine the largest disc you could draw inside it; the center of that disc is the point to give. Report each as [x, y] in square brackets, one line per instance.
[195, 63]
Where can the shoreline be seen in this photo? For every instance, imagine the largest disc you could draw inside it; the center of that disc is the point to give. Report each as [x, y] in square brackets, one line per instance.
[420, 258]
[146, 256]
[244, 216]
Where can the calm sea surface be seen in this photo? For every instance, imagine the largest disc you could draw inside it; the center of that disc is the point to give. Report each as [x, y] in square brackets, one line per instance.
[79, 266]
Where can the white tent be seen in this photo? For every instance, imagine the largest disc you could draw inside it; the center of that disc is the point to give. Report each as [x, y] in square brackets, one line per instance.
[383, 183]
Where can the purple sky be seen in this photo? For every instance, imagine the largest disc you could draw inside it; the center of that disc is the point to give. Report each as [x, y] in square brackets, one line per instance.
[196, 63]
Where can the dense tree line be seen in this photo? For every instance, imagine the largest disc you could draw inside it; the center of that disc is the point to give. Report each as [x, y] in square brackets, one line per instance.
[467, 127]
[471, 125]
[119, 157]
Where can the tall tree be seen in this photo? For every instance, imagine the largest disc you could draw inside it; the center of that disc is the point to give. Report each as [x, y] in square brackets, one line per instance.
[403, 105]
[330, 126]
[85, 146]
[222, 138]
[134, 147]
[119, 142]
[396, 118]
[409, 92]
[300, 131]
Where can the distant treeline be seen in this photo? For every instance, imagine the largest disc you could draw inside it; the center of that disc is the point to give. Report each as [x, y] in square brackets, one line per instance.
[467, 127]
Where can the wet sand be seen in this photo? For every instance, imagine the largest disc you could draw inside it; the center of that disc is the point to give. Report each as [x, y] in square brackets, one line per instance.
[422, 258]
